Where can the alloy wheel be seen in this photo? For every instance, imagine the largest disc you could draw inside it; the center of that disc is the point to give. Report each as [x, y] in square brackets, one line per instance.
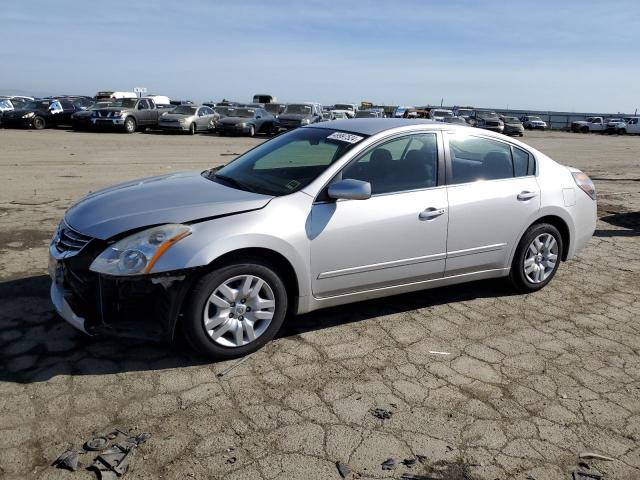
[239, 311]
[541, 258]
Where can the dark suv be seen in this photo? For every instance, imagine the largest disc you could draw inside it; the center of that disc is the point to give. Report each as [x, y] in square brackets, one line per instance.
[299, 114]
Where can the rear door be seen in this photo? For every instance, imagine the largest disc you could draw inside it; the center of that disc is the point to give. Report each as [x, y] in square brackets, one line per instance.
[493, 196]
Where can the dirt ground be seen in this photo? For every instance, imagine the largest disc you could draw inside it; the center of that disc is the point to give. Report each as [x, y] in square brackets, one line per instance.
[527, 384]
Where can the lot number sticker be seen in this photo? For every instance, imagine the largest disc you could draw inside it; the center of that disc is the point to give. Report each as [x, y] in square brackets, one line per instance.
[344, 137]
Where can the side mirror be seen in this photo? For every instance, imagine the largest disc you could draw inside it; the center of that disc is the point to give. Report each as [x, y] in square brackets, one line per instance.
[258, 116]
[350, 189]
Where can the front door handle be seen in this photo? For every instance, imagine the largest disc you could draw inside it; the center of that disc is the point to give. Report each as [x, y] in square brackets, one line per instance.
[524, 196]
[431, 213]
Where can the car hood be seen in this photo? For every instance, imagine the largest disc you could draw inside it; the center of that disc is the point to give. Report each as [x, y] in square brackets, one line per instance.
[83, 113]
[235, 120]
[175, 198]
[293, 116]
[114, 109]
[175, 116]
[19, 113]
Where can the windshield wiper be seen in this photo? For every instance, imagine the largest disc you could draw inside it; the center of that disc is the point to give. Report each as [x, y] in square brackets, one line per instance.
[235, 182]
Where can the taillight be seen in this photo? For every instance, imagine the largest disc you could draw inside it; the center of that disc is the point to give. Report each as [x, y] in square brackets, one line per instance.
[585, 183]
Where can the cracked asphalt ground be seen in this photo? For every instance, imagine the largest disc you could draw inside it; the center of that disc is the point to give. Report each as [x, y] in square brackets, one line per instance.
[529, 381]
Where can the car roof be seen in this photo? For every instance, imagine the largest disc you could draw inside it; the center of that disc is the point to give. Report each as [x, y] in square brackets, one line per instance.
[372, 126]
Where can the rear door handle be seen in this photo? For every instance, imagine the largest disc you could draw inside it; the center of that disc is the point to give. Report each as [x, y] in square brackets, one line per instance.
[524, 196]
[431, 213]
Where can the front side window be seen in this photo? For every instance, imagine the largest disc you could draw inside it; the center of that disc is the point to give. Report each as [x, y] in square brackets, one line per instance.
[287, 163]
[476, 158]
[405, 163]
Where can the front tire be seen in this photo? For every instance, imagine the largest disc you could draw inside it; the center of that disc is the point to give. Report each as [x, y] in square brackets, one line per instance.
[584, 129]
[235, 310]
[622, 131]
[130, 125]
[192, 129]
[38, 123]
[537, 258]
[252, 130]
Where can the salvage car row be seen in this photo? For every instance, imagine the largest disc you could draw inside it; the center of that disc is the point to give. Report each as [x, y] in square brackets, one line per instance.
[125, 111]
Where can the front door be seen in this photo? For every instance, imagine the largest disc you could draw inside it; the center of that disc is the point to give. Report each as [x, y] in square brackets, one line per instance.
[398, 235]
[493, 196]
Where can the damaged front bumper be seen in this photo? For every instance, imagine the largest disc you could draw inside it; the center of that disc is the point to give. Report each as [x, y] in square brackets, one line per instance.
[139, 307]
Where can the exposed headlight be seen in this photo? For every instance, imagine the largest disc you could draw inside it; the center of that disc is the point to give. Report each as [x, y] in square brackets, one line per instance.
[242, 125]
[28, 115]
[138, 253]
[305, 121]
[585, 183]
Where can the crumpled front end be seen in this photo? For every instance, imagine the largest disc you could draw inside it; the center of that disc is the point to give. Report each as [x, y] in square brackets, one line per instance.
[141, 307]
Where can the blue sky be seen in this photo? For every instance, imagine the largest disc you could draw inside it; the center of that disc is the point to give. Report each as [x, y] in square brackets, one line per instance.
[568, 55]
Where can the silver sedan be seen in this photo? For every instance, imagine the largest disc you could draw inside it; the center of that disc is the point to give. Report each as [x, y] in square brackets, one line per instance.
[189, 119]
[324, 215]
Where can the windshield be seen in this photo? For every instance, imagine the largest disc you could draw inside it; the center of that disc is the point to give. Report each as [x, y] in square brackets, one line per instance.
[343, 106]
[510, 119]
[287, 163]
[534, 118]
[98, 105]
[184, 110]
[243, 113]
[272, 107]
[224, 111]
[5, 104]
[464, 112]
[366, 114]
[442, 113]
[493, 115]
[124, 103]
[298, 109]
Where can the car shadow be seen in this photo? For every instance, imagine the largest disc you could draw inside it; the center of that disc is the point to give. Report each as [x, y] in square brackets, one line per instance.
[629, 221]
[36, 345]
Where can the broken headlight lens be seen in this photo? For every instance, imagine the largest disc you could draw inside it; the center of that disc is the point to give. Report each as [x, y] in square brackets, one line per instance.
[138, 253]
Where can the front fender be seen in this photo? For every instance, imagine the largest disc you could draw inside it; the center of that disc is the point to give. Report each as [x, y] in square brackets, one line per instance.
[279, 227]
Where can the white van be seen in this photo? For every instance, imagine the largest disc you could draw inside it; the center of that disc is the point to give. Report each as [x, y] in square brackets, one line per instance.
[109, 95]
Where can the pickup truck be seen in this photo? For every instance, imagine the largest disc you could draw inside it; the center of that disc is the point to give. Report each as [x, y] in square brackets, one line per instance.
[591, 124]
[633, 125]
[128, 114]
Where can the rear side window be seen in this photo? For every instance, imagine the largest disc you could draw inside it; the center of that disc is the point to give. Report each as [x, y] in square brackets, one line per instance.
[477, 158]
[522, 162]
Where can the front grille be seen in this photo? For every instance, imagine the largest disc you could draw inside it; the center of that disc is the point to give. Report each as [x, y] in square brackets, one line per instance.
[69, 240]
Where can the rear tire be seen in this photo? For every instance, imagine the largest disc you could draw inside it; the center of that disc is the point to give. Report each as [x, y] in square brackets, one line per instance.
[39, 123]
[532, 267]
[211, 303]
[130, 125]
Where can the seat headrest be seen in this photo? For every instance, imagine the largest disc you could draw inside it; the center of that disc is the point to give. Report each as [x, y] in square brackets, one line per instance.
[381, 155]
[497, 165]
